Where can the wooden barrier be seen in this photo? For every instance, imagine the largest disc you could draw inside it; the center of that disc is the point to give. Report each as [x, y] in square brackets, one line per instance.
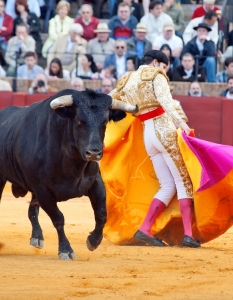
[179, 88]
[211, 117]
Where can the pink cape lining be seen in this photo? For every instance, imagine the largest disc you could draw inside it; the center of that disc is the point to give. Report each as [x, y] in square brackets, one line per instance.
[216, 160]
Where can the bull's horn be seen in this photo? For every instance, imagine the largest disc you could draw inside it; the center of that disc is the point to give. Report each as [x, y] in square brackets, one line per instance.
[62, 101]
[116, 104]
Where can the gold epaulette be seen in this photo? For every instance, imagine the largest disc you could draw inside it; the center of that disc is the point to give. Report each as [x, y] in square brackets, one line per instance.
[149, 74]
[122, 81]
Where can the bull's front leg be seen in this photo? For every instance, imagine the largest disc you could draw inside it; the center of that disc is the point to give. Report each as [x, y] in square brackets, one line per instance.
[37, 239]
[97, 195]
[49, 205]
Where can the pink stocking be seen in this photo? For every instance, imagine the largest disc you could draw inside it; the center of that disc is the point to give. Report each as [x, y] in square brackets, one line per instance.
[186, 212]
[154, 211]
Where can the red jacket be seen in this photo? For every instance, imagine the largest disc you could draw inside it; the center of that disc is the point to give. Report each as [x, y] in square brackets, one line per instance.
[200, 12]
[88, 30]
[9, 24]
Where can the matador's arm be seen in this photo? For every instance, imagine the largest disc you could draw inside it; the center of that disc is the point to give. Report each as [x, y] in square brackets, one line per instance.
[164, 97]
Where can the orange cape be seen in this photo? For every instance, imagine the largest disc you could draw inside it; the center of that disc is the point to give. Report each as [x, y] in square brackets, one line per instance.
[131, 184]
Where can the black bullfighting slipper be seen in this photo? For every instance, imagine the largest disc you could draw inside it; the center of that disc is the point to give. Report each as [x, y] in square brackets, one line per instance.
[139, 235]
[190, 242]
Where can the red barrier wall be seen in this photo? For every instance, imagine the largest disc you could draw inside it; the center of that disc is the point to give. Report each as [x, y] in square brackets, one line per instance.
[211, 117]
[205, 116]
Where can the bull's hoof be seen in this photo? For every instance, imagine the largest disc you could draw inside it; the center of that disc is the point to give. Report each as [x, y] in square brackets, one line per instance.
[89, 245]
[37, 243]
[67, 256]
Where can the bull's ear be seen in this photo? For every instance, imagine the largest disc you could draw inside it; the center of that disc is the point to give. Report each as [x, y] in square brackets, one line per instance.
[116, 115]
[66, 112]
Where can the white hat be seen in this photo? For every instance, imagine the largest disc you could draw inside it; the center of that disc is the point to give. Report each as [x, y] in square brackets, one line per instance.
[168, 26]
[102, 27]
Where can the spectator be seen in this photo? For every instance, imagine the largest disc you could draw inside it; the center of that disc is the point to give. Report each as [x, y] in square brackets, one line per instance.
[109, 72]
[130, 64]
[56, 71]
[135, 8]
[186, 72]
[30, 69]
[208, 5]
[6, 27]
[17, 47]
[195, 90]
[210, 19]
[139, 43]
[169, 71]
[119, 58]
[169, 37]
[168, 51]
[228, 93]
[106, 86]
[228, 53]
[5, 86]
[30, 20]
[86, 68]
[59, 24]
[176, 12]
[123, 24]
[33, 6]
[40, 85]
[67, 47]
[77, 84]
[205, 49]
[88, 22]
[228, 72]
[102, 45]
[155, 20]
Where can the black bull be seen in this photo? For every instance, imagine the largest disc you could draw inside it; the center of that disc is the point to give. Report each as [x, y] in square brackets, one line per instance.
[52, 153]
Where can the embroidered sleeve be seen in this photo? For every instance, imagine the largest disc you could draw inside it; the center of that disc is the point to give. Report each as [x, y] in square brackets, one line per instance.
[180, 110]
[164, 97]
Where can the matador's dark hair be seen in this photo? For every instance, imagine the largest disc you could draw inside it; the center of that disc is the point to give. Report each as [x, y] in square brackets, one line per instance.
[154, 54]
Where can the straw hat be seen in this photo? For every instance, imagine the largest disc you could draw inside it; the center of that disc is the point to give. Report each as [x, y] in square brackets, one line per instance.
[141, 28]
[102, 27]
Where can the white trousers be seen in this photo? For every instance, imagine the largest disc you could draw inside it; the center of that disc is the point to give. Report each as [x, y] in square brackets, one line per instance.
[165, 169]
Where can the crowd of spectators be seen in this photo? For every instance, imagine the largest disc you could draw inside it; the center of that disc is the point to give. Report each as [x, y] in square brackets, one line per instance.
[86, 47]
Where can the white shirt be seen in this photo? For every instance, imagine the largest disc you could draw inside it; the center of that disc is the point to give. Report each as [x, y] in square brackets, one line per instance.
[190, 33]
[174, 42]
[229, 95]
[188, 72]
[155, 25]
[120, 65]
[33, 6]
[69, 45]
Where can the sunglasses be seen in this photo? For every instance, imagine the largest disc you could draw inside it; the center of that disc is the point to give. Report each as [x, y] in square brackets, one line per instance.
[120, 47]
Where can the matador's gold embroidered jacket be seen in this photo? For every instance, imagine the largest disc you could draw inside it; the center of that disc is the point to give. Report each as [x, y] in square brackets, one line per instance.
[148, 88]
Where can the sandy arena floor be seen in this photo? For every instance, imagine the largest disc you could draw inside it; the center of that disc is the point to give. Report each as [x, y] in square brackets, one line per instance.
[111, 272]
